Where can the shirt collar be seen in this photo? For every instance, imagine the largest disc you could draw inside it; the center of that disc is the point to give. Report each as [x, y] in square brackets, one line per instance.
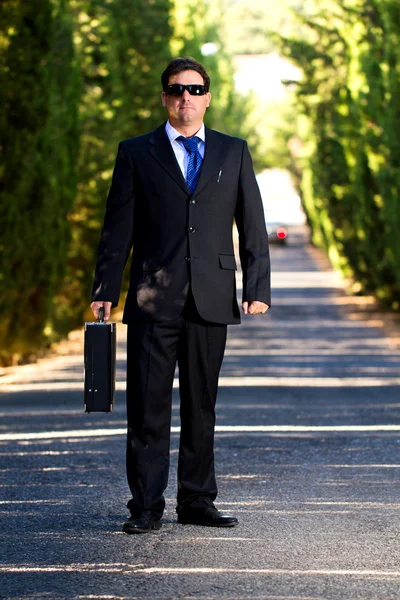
[172, 133]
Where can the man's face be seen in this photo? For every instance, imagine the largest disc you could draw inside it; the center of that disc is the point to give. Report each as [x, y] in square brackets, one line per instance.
[186, 110]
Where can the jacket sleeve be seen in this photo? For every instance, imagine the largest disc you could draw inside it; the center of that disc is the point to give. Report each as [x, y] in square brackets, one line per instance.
[253, 237]
[116, 236]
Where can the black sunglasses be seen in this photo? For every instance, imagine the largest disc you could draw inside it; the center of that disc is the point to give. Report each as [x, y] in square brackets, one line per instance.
[178, 89]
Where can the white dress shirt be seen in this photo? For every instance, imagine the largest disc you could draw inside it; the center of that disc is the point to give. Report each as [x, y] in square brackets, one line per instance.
[181, 154]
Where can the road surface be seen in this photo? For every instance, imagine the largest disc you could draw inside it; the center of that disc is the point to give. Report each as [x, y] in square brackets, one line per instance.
[307, 454]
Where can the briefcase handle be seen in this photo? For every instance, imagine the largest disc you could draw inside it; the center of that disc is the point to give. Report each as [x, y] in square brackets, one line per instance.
[101, 314]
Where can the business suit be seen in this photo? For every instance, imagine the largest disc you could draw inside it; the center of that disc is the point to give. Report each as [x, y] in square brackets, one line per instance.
[182, 294]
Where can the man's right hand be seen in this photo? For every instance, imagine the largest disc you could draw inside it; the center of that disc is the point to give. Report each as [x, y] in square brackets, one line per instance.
[95, 306]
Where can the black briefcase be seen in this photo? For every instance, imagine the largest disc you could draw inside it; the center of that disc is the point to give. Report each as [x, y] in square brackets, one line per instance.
[100, 354]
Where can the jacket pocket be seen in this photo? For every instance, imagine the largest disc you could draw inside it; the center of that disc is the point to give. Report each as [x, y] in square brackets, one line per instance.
[227, 261]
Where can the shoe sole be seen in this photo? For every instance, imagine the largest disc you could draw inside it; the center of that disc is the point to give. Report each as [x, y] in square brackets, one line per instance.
[208, 524]
[156, 526]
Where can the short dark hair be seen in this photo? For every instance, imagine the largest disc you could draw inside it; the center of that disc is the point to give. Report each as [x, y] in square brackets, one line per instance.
[187, 63]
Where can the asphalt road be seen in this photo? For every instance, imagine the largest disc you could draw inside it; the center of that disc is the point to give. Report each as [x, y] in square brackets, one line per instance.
[307, 454]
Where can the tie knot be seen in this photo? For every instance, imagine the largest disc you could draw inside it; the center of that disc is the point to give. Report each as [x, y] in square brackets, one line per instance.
[191, 144]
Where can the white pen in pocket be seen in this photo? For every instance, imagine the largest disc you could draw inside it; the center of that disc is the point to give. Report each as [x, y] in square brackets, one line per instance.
[219, 176]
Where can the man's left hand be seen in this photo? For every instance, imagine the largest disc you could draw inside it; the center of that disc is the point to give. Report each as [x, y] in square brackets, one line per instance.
[254, 308]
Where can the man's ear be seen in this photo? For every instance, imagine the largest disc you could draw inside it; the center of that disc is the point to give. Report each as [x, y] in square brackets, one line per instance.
[163, 98]
[208, 95]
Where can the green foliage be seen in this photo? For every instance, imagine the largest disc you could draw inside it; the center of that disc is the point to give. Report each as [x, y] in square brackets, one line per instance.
[197, 23]
[350, 99]
[267, 122]
[121, 59]
[248, 24]
[39, 136]
[76, 77]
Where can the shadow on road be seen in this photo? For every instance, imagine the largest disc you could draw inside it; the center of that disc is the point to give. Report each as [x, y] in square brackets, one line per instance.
[307, 452]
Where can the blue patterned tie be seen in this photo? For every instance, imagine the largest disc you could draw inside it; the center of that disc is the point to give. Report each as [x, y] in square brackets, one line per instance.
[195, 160]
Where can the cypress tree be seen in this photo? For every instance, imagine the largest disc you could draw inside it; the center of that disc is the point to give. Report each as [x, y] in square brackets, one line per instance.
[197, 23]
[350, 101]
[122, 47]
[37, 183]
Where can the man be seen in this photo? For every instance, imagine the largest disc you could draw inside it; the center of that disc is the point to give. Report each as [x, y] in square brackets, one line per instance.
[174, 197]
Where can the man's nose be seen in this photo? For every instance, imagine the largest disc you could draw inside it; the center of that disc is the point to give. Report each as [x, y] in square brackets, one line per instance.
[186, 95]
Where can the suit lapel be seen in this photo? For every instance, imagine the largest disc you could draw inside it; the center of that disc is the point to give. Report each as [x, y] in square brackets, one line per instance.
[160, 148]
[215, 151]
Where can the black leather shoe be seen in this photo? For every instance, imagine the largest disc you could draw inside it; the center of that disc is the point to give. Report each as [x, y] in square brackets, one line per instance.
[142, 524]
[210, 517]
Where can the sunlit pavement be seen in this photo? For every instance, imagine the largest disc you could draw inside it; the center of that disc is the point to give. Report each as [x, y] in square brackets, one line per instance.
[307, 453]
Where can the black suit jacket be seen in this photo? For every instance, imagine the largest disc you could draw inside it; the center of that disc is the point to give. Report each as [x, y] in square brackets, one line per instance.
[179, 238]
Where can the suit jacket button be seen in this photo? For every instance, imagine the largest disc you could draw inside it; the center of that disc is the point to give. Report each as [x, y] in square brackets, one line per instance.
[187, 258]
[192, 229]
[193, 201]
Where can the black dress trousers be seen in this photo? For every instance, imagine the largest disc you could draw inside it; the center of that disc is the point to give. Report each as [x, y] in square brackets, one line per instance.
[153, 350]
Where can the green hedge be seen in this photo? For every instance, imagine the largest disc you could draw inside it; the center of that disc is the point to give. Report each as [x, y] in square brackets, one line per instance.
[122, 47]
[39, 142]
[349, 100]
[76, 77]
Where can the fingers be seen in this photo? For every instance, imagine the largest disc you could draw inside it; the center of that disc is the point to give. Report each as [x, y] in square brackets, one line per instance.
[107, 310]
[255, 308]
[95, 306]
